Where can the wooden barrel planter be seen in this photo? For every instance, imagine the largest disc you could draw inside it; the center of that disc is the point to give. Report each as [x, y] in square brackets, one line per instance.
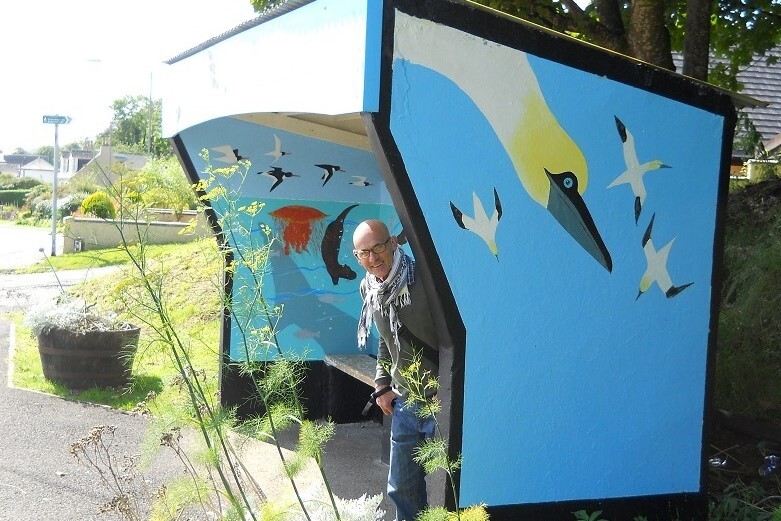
[84, 360]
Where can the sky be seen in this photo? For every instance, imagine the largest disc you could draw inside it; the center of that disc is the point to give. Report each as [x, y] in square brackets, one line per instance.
[76, 57]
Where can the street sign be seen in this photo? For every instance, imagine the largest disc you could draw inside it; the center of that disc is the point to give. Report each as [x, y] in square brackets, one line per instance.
[57, 120]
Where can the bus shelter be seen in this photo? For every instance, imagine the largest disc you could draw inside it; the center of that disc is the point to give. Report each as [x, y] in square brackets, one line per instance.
[563, 202]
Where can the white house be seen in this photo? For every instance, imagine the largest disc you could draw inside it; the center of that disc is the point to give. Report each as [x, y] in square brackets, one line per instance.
[12, 163]
[101, 169]
[39, 169]
[72, 161]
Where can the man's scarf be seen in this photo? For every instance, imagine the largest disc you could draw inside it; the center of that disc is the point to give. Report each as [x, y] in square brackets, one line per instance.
[387, 296]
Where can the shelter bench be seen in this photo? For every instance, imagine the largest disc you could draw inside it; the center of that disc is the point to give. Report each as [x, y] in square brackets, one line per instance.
[362, 368]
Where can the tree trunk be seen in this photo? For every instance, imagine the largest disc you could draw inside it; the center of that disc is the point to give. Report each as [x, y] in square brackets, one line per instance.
[648, 37]
[696, 40]
[610, 32]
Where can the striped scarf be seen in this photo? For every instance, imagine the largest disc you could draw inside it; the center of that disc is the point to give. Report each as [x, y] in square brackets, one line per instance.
[387, 296]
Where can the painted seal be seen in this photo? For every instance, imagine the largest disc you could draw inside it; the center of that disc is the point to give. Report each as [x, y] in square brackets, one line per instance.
[332, 240]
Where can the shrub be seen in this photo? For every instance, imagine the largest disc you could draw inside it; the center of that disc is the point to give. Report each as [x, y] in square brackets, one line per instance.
[8, 182]
[161, 184]
[38, 192]
[41, 208]
[13, 197]
[26, 183]
[80, 184]
[8, 213]
[765, 171]
[71, 203]
[99, 204]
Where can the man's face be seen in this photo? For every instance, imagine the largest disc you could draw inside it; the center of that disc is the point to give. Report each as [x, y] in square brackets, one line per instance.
[378, 264]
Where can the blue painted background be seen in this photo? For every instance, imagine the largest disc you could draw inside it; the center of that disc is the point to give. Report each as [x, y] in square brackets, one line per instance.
[574, 389]
[318, 317]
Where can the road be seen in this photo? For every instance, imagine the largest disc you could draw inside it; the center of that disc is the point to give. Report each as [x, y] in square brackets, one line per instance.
[20, 245]
[39, 479]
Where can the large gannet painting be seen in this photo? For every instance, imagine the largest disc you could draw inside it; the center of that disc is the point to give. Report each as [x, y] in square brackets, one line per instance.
[624, 374]
[548, 162]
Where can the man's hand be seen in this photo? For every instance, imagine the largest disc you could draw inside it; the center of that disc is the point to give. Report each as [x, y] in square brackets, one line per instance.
[385, 401]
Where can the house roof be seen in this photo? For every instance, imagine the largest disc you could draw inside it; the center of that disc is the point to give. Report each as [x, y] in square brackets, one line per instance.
[19, 159]
[79, 153]
[38, 164]
[761, 80]
[773, 145]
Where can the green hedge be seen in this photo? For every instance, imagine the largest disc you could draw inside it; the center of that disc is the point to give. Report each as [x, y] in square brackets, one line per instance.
[14, 197]
[8, 182]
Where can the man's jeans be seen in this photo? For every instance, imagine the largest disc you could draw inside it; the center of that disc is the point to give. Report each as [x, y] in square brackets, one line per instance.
[406, 483]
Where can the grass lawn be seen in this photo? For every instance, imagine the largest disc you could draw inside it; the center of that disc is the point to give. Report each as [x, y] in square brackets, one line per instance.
[94, 259]
[190, 275]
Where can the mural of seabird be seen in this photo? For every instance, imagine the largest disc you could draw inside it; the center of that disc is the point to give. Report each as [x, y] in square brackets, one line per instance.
[480, 224]
[228, 154]
[277, 152]
[526, 127]
[329, 171]
[565, 202]
[657, 266]
[278, 174]
[360, 180]
[633, 175]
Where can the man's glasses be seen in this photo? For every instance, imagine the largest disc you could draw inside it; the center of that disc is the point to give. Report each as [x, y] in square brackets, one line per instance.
[376, 249]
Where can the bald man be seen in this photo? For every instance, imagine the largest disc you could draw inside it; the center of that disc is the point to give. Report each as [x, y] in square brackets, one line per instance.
[393, 301]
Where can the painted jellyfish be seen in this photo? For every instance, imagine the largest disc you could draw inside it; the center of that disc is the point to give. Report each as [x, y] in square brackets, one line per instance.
[296, 223]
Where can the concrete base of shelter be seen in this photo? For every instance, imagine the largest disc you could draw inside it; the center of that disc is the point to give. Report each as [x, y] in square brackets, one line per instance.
[351, 461]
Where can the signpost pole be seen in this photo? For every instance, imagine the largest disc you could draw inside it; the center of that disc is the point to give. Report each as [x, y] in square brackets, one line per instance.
[54, 193]
[56, 120]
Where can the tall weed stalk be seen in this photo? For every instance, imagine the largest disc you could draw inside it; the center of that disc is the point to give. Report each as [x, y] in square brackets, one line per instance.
[245, 243]
[432, 454]
[212, 422]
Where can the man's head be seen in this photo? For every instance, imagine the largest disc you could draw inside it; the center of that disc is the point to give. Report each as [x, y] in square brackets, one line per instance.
[370, 237]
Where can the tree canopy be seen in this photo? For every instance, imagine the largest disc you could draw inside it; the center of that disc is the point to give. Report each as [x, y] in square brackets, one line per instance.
[651, 30]
[161, 183]
[46, 152]
[137, 127]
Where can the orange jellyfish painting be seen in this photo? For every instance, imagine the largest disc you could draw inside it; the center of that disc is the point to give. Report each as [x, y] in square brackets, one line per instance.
[297, 223]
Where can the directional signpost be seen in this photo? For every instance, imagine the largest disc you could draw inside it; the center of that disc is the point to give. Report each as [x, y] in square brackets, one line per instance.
[55, 120]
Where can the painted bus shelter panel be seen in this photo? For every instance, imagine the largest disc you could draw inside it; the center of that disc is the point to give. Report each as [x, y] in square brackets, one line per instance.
[314, 193]
[322, 58]
[574, 217]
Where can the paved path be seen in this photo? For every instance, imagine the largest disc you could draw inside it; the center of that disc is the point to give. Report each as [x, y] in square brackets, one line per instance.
[20, 292]
[40, 480]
